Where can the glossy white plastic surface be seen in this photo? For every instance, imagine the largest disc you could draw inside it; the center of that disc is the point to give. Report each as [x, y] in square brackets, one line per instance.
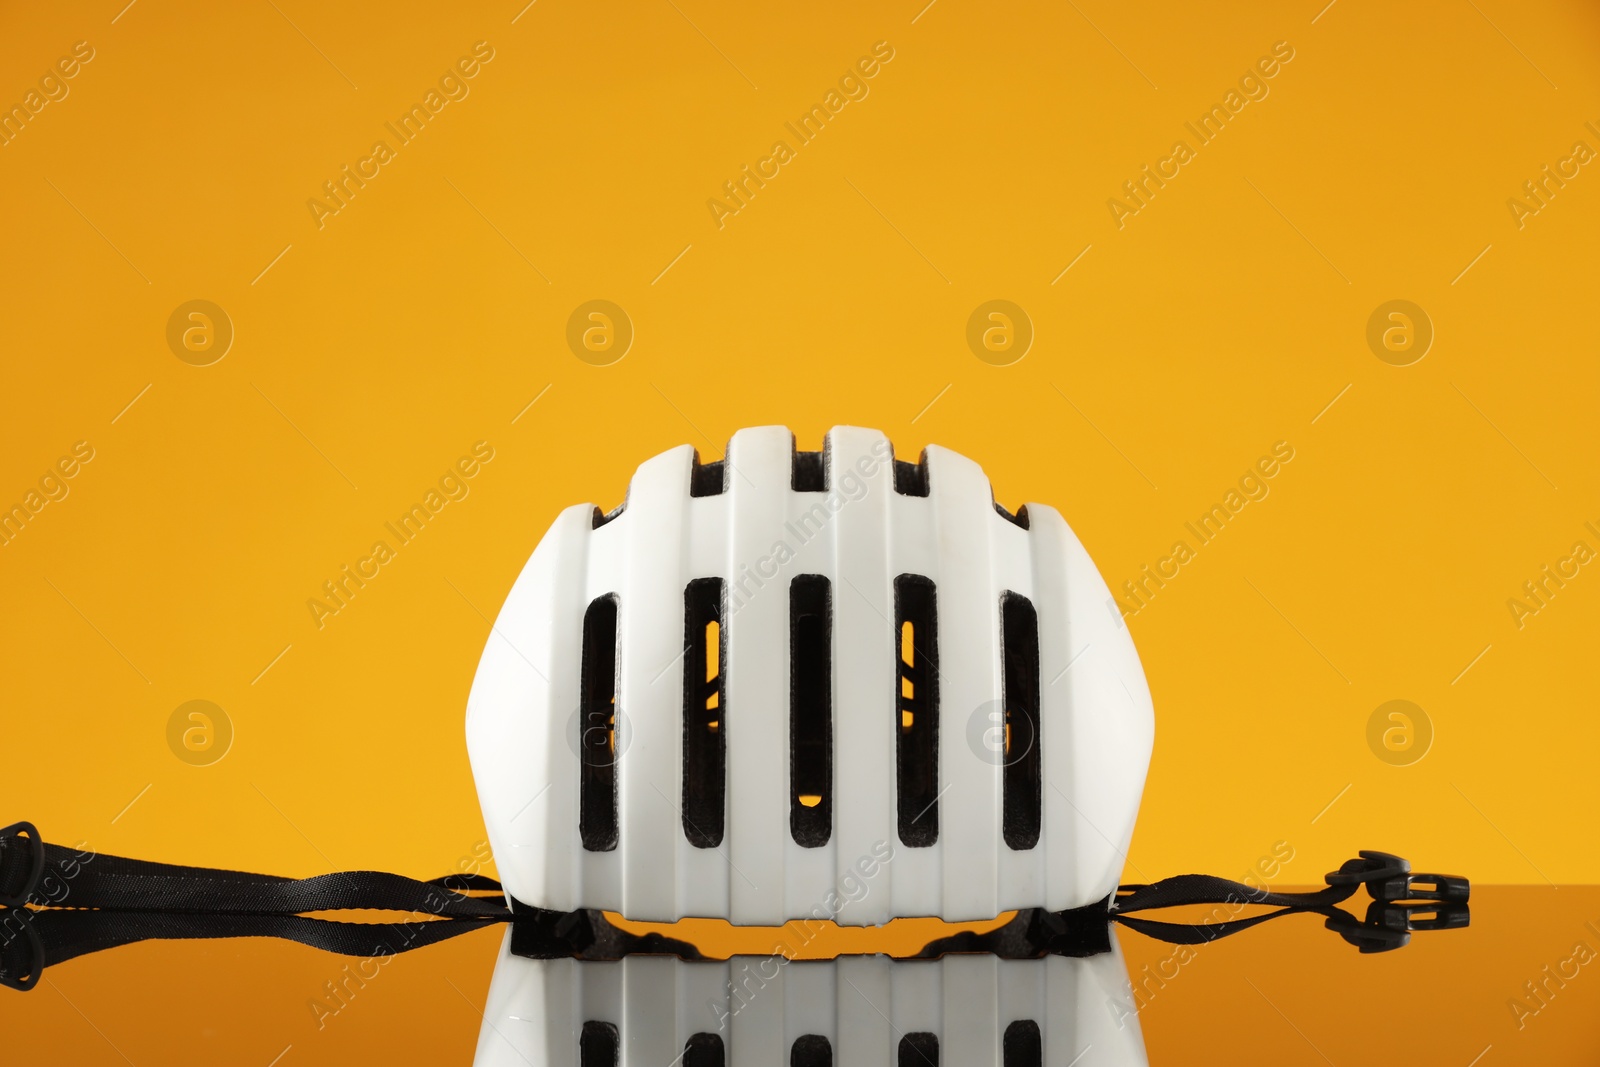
[1095, 732]
[863, 1005]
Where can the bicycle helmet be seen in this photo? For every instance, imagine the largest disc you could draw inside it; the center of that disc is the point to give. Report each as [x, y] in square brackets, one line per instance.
[796, 684]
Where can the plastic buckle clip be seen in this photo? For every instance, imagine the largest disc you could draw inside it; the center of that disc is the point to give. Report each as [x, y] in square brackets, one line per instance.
[1442, 887]
[1371, 868]
[1389, 877]
[13, 837]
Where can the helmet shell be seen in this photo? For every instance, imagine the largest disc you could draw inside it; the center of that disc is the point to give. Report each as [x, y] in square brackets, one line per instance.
[859, 519]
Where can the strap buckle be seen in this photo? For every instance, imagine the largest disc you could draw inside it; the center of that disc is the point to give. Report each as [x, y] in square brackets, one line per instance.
[1441, 887]
[1372, 867]
[1389, 878]
[12, 837]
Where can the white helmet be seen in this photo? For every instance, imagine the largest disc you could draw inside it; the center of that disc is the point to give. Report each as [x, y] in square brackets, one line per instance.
[809, 684]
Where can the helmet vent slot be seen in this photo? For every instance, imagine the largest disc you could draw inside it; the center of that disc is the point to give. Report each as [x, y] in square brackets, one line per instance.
[704, 1050]
[598, 1045]
[917, 709]
[911, 479]
[597, 733]
[920, 1049]
[810, 473]
[707, 479]
[811, 1050]
[1019, 519]
[1022, 1046]
[705, 661]
[1019, 646]
[810, 710]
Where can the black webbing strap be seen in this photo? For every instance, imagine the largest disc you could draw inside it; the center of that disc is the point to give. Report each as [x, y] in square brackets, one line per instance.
[1388, 878]
[1209, 889]
[52, 876]
[57, 903]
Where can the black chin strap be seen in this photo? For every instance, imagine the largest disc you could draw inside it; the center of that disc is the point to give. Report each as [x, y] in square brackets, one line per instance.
[1402, 902]
[57, 903]
[52, 876]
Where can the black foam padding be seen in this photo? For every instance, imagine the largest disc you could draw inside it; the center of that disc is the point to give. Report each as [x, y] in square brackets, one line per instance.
[917, 746]
[811, 1050]
[1019, 519]
[1023, 1045]
[919, 1049]
[707, 479]
[810, 472]
[705, 746]
[597, 750]
[810, 709]
[704, 1050]
[911, 479]
[599, 1046]
[1022, 786]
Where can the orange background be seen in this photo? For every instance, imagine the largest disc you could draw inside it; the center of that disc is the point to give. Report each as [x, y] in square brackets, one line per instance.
[425, 316]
